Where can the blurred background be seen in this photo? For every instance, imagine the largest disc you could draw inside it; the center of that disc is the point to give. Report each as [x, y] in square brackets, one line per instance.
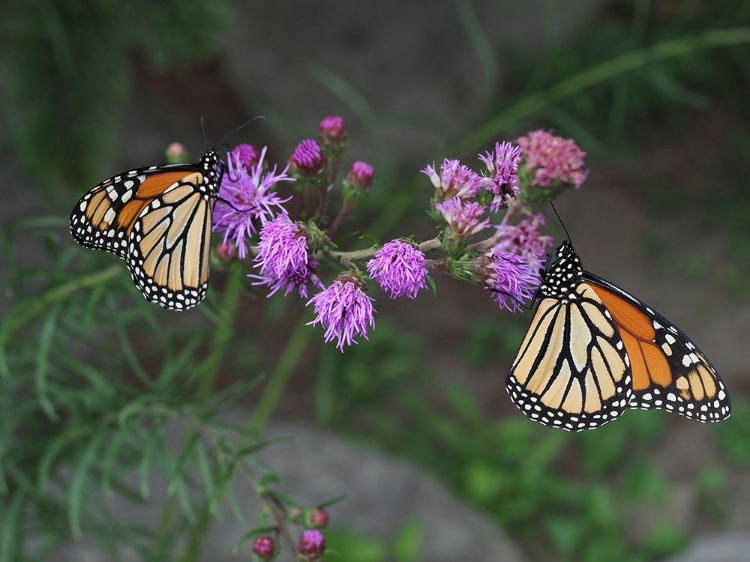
[656, 92]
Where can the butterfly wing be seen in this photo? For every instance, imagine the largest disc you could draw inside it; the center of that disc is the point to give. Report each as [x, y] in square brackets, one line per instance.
[572, 370]
[669, 371]
[157, 219]
[104, 218]
[168, 256]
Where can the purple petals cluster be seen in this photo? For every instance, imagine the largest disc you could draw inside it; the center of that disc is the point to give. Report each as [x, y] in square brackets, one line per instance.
[399, 268]
[359, 176]
[284, 258]
[308, 158]
[553, 159]
[502, 165]
[247, 199]
[524, 238]
[463, 216]
[344, 310]
[246, 155]
[513, 279]
[454, 180]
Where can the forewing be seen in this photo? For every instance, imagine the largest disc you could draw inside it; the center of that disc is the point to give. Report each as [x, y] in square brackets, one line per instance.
[104, 218]
[169, 250]
[571, 371]
[669, 371]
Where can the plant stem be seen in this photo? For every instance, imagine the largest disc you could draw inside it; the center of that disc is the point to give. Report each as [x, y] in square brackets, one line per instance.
[278, 379]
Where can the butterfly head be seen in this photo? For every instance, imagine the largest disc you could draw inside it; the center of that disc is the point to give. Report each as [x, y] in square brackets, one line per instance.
[561, 272]
[214, 168]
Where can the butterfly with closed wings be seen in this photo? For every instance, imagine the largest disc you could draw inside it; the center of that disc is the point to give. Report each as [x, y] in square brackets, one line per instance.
[157, 219]
[593, 350]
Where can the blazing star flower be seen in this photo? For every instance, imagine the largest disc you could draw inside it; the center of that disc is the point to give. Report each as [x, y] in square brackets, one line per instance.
[246, 155]
[312, 544]
[455, 180]
[333, 130]
[523, 238]
[344, 310]
[308, 158]
[284, 258]
[503, 169]
[246, 201]
[399, 268]
[553, 159]
[463, 216]
[511, 277]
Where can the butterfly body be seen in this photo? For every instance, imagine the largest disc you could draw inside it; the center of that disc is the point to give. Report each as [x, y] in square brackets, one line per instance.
[593, 350]
[157, 219]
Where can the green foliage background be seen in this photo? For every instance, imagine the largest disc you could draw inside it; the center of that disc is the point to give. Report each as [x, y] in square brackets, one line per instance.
[90, 378]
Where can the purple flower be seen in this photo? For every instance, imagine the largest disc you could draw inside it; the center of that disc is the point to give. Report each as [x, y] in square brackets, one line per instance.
[284, 258]
[344, 310]
[264, 547]
[399, 268]
[246, 155]
[455, 180]
[308, 158]
[512, 278]
[503, 169]
[312, 544]
[523, 238]
[463, 216]
[246, 201]
[333, 130]
[554, 159]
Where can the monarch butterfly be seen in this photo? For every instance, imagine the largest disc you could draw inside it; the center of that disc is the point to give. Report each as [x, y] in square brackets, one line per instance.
[594, 350]
[157, 219]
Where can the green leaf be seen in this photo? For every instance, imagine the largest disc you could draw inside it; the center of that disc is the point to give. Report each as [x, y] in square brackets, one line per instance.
[42, 362]
[78, 483]
[407, 544]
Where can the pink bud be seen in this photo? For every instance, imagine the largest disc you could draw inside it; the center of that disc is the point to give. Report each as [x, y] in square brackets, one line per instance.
[308, 158]
[176, 153]
[246, 155]
[318, 518]
[312, 544]
[264, 547]
[360, 176]
[333, 130]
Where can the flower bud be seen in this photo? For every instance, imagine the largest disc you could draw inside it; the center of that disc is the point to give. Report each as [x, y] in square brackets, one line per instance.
[317, 518]
[312, 544]
[264, 547]
[308, 159]
[333, 131]
[176, 153]
[357, 181]
[246, 155]
[226, 251]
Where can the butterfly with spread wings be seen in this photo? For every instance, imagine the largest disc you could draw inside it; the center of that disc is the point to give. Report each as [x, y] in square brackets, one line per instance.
[593, 350]
[157, 219]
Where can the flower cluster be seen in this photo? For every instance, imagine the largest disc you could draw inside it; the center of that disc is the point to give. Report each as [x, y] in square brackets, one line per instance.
[247, 198]
[284, 258]
[553, 159]
[399, 268]
[503, 253]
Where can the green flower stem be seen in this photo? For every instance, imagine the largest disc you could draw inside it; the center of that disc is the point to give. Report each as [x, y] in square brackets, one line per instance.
[278, 379]
[529, 105]
[428, 245]
[223, 334]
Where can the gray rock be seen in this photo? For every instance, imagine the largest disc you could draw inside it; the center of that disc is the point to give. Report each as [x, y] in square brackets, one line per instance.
[729, 547]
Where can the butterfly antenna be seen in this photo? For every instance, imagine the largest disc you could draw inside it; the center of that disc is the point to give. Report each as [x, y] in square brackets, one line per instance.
[203, 128]
[245, 124]
[562, 224]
